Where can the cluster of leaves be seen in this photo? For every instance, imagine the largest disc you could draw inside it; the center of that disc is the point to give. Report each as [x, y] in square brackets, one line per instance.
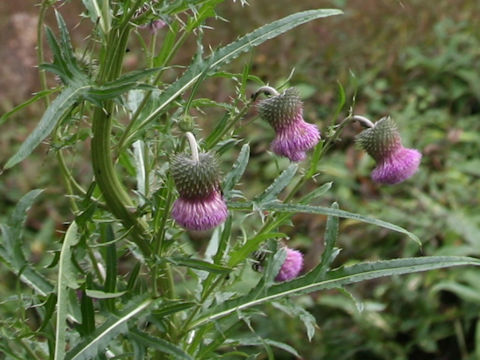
[131, 284]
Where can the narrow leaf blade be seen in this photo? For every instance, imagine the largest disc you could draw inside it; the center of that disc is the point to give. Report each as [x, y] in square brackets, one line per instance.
[93, 345]
[64, 280]
[339, 213]
[278, 185]
[199, 264]
[335, 279]
[331, 234]
[55, 112]
[234, 176]
[159, 344]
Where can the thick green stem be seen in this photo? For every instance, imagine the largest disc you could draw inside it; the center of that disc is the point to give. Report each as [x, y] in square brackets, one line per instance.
[116, 198]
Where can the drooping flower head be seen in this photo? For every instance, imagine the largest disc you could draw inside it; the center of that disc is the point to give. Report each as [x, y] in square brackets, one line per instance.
[200, 205]
[292, 265]
[395, 163]
[294, 136]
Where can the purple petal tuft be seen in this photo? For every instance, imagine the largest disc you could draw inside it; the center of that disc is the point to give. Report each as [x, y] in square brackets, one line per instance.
[397, 167]
[291, 267]
[294, 140]
[200, 214]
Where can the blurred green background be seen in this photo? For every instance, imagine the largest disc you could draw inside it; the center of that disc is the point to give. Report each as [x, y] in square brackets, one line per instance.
[418, 61]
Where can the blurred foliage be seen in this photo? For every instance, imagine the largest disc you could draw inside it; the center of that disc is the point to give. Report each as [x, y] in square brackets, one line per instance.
[416, 61]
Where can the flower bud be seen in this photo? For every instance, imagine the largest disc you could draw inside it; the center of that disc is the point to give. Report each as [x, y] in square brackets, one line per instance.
[292, 265]
[294, 136]
[394, 162]
[200, 205]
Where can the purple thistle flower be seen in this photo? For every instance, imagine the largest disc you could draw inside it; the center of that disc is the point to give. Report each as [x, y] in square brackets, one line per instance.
[291, 267]
[395, 163]
[200, 205]
[294, 136]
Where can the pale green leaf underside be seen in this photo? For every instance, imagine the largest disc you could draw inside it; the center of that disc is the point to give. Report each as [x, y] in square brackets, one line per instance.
[11, 246]
[160, 345]
[55, 112]
[65, 280]
[90, 347]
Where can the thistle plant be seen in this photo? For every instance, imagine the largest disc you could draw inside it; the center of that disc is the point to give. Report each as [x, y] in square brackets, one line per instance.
[131, 276]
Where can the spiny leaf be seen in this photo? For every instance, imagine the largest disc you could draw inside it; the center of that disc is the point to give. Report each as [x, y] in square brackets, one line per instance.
[337, 278]
[172, 308]
[19, 215]
[339, 213]
[36, 97]
[11, 252]
[278, 185]
[256, 341]
[250, 246]
[98, 294]
[315, 193]
[199, 264]
[159, 344]
[329, 254]
[234, 176]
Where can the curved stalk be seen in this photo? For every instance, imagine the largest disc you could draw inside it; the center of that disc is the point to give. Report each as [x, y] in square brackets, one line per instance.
[363, 120]
[193, 146]
[267, 90]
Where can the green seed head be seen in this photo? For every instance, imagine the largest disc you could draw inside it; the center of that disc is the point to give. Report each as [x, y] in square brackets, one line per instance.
[195, 179]
[381, 140]
[281, 110]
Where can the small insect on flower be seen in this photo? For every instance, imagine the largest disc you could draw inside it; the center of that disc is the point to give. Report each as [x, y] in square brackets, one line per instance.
[197, 178]
[258, 259]
[284, 112]
[395, 163]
